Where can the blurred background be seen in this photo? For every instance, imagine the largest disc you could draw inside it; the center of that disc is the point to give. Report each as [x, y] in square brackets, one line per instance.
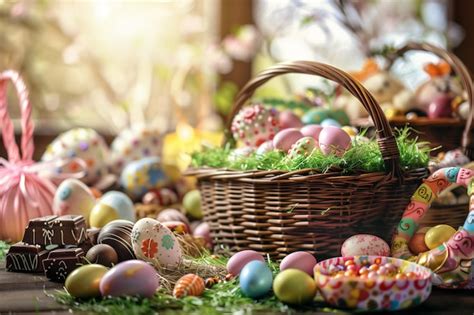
[177, 65]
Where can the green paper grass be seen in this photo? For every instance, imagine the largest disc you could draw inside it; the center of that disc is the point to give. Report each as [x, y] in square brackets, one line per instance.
[364, 156]
[4, 246]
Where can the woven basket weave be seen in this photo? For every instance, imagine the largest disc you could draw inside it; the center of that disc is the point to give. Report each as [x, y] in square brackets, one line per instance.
[276, 212]
[449, 133]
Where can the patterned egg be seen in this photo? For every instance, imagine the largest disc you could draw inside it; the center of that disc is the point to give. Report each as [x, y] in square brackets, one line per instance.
[294, 286]
[363, 245]
[84, 281]
[73, 197]
[117, 234]
[134, 144]
[240, 153]
[303, 261]
[82, 143]
[288, 119]
[155, 243]
[417, 242]
[140, 176]
[172, 215]
[177, 227]
[240, 259]
[438, 235]
[285, 139]
[189, 285]
[330, 122]
[311, 131]
[130, 278]
[265, 147]
[302, 147]
[160, 197]
[334, 140]
[255, 279]
[192, 204]
[254, 125]
[112, 206]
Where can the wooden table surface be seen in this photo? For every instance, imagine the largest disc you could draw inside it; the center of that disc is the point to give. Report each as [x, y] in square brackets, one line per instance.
[22, 293]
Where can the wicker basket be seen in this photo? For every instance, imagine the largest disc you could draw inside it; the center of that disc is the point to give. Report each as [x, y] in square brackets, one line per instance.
[277, 212]
[444, 132]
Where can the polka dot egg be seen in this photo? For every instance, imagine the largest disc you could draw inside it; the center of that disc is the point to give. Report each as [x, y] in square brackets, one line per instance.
[254, 125]
[134, 144]
[82, 143]
[302, 147]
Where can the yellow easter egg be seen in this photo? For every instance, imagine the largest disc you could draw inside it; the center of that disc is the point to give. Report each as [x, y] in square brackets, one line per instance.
[84, 281]
[351, 131]
[294, 286]
[391, 112]
[102, 214]
[439, 234]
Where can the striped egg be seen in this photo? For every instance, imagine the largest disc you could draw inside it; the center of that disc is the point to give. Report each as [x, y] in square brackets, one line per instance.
[188, 285]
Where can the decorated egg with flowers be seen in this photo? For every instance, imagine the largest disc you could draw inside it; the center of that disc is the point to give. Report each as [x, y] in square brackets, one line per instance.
[84, 144]
[255, 124]
[155, 243]
[134, 144]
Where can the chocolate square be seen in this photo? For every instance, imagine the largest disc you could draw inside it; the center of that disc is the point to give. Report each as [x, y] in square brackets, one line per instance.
[54, 230]
[23, 257]
[61, 262]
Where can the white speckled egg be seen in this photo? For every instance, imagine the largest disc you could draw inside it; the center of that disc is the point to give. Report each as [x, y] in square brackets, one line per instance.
[302, 147]
[363, 245]
[141, 176]
[73, 197]
[134, 144]
[155, 243]
[285, 138]
[82, 143]
[334, 140]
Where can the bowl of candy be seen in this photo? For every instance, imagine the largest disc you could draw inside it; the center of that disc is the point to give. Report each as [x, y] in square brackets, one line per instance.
[372, 282]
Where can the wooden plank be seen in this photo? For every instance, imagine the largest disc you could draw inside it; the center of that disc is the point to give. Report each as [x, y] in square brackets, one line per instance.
[28, 301]
[24, 281]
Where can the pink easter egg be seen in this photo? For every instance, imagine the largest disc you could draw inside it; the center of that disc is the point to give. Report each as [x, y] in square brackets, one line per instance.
[285, 138]
[289, 120]
[440, 107]
[265, 147]
[334, 140]
[303, 261]
[312, 131]
[254, 125]
[364, 245]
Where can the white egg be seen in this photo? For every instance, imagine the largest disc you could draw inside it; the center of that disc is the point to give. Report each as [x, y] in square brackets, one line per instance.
[73, 197]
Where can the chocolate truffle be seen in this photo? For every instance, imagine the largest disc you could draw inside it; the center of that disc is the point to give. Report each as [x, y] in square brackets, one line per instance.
[117, 235]
[102, 254]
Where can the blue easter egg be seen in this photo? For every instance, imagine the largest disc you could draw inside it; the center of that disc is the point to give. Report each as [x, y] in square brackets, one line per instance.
[121, 203]
[140, 176]
[330, 122]
[256, 279]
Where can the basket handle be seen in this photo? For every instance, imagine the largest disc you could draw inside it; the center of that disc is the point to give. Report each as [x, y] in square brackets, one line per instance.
[385, 138]
[6, 125]
[460, 69]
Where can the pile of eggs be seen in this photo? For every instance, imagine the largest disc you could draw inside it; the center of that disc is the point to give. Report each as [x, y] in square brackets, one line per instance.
[427, 238]
[293, 284]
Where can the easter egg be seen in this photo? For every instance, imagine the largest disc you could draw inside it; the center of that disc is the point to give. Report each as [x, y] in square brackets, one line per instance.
[438, 235]
[288, 119]
[440, 107]
[284, 139]
[134, 144]
[294, 286]
[177, 227]
[303, 261]
[112, 206]
[192, 204]
[204, 231]
[334, 140]
[265, 147]
[351, 131]
[84, 281]
[254, 125]
[102, 254]
[240, 153]
[240, 259]
[330, 122]
[155, 243]
[417, 242]
[311, 131]
[160, 197]
[340, 116]
[117, 235]
[302, 147]
[138, 177]
[364, 245]
[255, 279]
[463, 110]
[172, 215]
[85, 144]
[189, 285]
[315, 116]
[73, 197]
[130, 278]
